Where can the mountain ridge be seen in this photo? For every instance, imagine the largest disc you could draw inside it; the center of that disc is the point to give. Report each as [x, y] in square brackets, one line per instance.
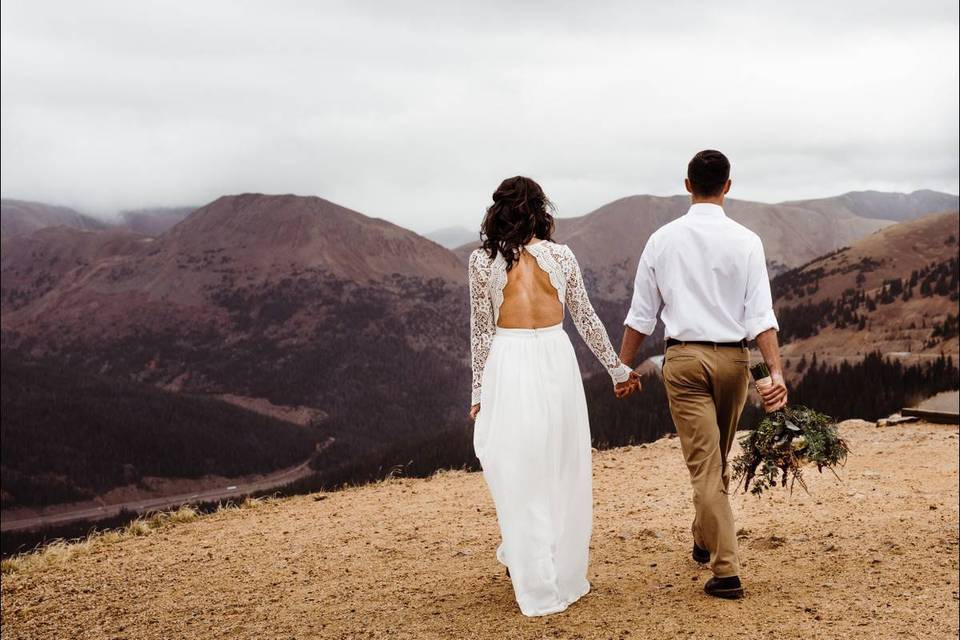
[21, 217]
[889, 205]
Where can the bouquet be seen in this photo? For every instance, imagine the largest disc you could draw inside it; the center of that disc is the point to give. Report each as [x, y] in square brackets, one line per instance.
[784, 441]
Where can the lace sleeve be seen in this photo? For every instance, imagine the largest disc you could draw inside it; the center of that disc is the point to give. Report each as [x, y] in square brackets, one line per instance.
[588, 324]
[481, 320]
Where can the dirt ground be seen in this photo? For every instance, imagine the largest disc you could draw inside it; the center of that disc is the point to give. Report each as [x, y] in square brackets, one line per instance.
[874, 555]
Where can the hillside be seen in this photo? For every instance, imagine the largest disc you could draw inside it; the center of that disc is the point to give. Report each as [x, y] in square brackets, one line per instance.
[20, 217]
[35, 264]
[69, 436]
[895, 290]
[414, 559]
[283, 304]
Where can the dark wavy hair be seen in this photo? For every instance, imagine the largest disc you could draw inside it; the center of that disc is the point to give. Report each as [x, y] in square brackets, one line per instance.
[520, 212]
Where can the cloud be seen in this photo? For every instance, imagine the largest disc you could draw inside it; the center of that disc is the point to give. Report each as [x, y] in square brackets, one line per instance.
[415, 111]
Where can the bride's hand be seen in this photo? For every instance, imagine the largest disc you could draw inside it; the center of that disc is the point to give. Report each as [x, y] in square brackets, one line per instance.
[628, 386]
[474, 410]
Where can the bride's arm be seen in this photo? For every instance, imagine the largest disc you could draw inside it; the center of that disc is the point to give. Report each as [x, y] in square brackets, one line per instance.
[481, 321]
[587, 322]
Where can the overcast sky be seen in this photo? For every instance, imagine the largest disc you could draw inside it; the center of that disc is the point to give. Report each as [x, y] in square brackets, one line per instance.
[414, 111]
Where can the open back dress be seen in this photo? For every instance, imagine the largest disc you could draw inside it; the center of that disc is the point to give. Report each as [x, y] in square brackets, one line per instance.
[532, 434]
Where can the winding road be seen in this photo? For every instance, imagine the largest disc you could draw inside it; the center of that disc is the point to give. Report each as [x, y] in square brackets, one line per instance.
[271, 481]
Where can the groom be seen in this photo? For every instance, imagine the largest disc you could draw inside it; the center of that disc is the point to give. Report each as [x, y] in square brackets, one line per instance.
[710, 276]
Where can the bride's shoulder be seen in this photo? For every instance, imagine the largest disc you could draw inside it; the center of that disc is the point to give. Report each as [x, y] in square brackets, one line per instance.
[560, 250]
[479, 259]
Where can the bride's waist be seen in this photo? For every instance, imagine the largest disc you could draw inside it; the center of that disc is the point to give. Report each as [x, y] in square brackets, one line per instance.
[503, 332]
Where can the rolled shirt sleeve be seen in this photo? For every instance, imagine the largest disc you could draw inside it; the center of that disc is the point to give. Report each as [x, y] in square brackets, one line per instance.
[646, 295]
[758, 313]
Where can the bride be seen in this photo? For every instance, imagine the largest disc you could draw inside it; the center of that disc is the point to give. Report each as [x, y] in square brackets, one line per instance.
[532, 434]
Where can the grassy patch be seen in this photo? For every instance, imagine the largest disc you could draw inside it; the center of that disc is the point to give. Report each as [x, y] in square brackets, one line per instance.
[61, 551]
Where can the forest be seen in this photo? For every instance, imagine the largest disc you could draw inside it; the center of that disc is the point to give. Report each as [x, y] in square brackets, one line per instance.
[69, 436]
[873, 388]
[870, 389]
[853, 307]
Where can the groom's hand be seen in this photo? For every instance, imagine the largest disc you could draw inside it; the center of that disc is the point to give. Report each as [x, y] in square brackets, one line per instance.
[628, 386]
[775, 394]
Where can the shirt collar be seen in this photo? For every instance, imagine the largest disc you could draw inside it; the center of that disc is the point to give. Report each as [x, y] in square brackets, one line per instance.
[706, 209]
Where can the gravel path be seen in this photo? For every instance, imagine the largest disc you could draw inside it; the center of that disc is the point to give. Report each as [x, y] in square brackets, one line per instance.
[872, 556]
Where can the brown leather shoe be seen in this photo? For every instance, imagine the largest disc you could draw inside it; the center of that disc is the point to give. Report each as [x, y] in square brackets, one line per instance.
[729, 587]
[700, 555]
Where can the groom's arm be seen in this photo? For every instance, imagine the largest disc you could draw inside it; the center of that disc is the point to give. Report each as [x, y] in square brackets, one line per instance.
[630, 345]
[761, 324]
[769, 347]
[644, 306]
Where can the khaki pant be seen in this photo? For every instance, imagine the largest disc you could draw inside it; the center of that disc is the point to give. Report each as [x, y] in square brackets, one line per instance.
[707, 388]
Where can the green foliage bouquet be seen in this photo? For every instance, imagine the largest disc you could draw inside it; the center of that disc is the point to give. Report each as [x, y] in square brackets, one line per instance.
[783, 443]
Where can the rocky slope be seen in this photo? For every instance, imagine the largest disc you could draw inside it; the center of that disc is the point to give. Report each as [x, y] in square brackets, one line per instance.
[895, 290]
[872, 555]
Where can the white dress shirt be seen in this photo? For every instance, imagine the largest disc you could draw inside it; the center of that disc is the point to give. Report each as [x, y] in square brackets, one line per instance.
[710, 275]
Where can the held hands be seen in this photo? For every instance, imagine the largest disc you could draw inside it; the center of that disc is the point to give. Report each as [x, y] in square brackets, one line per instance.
[621, 390]
[774, 395]
[628, 386]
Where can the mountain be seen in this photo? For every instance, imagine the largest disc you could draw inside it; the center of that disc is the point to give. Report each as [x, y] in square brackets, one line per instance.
[20, 217]
[452, 237]
[236, 242]
[291, 300]
[153, 221]
[895, 290]
[883, 205]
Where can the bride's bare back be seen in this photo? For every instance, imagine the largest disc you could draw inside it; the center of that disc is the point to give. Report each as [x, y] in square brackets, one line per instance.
[529, 300]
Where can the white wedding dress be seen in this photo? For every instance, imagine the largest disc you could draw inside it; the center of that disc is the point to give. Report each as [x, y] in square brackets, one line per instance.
[532, 435]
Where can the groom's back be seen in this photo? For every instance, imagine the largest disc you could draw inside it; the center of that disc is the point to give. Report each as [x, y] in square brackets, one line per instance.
[706, 269]
[707, 249]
